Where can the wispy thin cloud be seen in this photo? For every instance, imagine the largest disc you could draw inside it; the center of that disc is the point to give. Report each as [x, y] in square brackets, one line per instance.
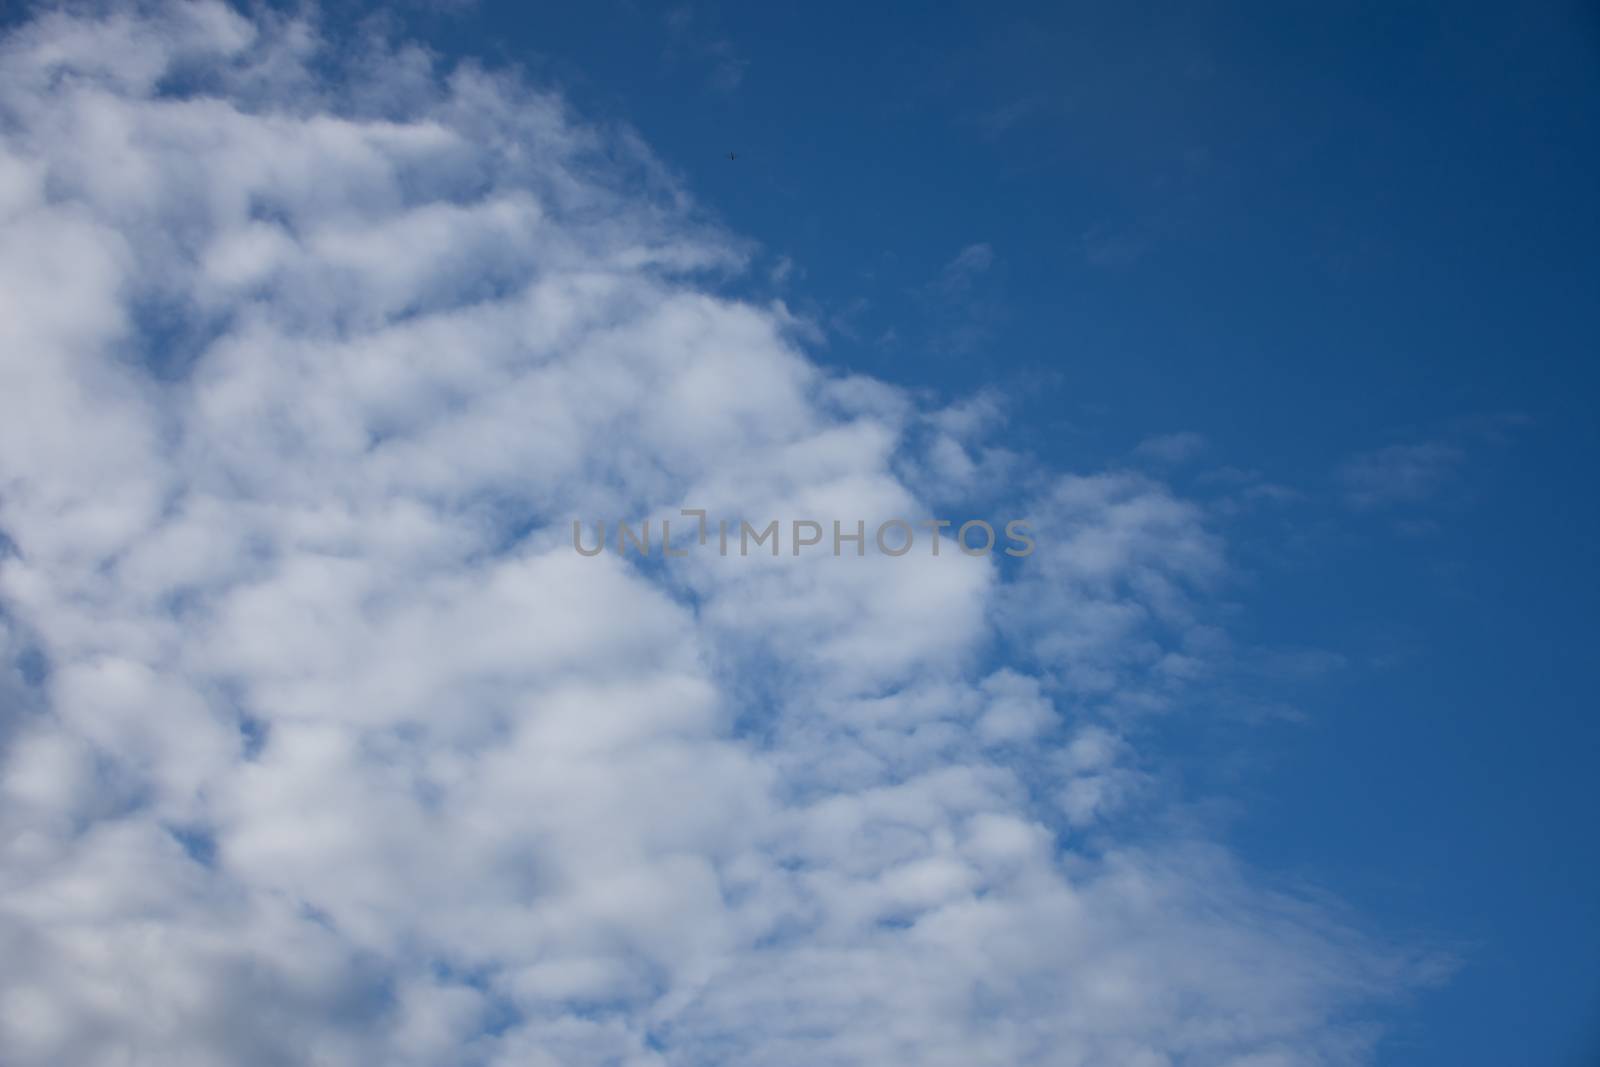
[972, 261]
[692, 36]
[1399, 474]
[1172, 448]
[1113, 246]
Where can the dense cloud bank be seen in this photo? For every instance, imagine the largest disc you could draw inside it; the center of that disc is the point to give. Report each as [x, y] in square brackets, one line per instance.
[320, 744]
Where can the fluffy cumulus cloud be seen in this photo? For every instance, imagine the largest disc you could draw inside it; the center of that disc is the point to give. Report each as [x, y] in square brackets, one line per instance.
[321, 745]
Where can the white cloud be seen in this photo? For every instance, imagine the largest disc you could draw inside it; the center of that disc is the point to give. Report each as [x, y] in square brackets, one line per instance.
[320, 745]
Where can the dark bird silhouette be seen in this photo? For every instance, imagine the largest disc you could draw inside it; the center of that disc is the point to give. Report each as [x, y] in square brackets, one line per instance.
[733, 155]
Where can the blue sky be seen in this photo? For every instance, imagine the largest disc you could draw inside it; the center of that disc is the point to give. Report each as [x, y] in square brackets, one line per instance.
[1305, 232]
[1278, 320]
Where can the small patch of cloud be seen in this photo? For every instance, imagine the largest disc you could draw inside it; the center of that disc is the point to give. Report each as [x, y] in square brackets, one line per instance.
[1291, 664]
[969, 263]
[1495, 428]
[1432, 470]
[1114, 247]
[960, 305]
[1399, 474]
[954, 457]
[1097, 781]
[998, 121]
[783, 270]
[1240, 490]
[692, 36]
[1171, 448]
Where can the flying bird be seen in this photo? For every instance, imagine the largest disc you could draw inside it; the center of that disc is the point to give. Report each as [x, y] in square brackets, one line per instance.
[733, 155]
